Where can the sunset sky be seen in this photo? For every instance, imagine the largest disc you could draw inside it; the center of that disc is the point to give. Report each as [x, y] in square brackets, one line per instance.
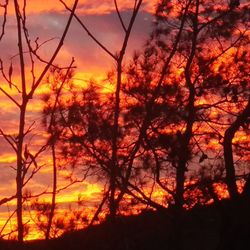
[221, 54]
[46, 20]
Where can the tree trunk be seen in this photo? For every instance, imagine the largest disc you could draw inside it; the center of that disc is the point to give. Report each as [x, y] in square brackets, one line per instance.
[180, 180]
[53, 202]
[184, 139]
[113, 205]
[113, 170]
[20, 173]
[229, 163]
[20, 163]
[246, 189]
[228, 151]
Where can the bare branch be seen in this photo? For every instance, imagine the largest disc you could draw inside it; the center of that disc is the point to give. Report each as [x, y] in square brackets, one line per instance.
[60, 44]
[119, 16]
[88, 32]
[5, 6]
[4, 200]
[10, 97]
[20, 47]
[7, 138]
[99, 209]
[6, 223]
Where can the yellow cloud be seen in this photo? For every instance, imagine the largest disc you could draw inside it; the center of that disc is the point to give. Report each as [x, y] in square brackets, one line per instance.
[7, 158]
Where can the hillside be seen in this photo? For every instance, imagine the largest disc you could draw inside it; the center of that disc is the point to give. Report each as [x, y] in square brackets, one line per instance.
[222, 226]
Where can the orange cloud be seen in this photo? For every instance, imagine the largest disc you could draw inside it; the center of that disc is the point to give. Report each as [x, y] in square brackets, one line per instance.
[84, 6]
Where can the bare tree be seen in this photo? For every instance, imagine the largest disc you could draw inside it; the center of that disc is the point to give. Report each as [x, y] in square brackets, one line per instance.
[112, 164]
[25, 160]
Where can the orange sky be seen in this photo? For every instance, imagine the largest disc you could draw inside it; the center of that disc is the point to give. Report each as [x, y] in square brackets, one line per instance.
[46, 20]
[86, 7]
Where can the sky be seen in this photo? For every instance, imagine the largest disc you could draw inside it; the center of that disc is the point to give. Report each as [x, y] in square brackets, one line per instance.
[46, 20]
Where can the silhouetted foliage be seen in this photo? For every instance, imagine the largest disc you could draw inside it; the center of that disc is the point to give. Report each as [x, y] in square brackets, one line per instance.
[167, 130]
[182, 93]
[188, 85]
[223, 226]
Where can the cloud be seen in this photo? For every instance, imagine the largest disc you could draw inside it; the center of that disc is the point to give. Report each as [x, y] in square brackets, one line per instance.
[84, 6]
[90, 58]
[107, 29]
[7, 178]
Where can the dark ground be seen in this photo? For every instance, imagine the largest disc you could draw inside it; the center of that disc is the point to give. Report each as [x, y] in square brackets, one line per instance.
[222, 226]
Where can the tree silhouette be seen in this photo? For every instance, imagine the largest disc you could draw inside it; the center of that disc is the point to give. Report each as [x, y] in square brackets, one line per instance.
[166, 106]
[26, 90]
[110, 149]
[166, 130]
[186, 78]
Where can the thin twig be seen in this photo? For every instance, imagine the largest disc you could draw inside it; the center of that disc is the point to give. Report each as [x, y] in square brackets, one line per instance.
[119, 16]
[88, 31]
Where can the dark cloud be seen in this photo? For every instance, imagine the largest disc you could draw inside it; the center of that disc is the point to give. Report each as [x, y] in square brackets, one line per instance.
[107, 30]
[78, 44]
